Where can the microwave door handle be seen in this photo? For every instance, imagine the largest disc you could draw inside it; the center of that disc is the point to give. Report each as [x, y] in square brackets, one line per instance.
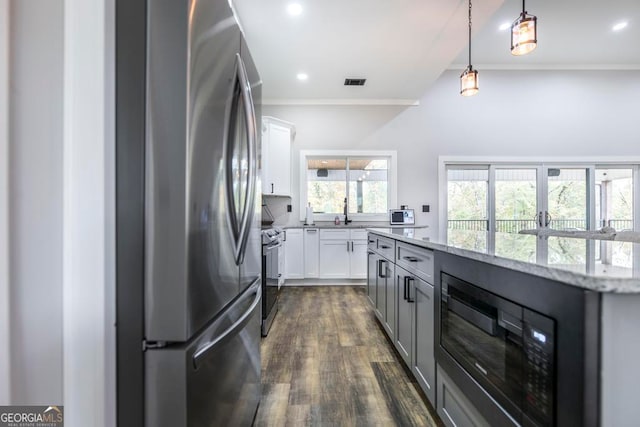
[475, 317]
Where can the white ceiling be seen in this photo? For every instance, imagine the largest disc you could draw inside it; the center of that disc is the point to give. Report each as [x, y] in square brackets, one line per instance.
[402, 46]
[572, 34]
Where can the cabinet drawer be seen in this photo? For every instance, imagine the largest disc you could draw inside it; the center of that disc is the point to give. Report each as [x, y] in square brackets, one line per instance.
[386, 248]
[454, 408]
[372, 242]
[358, 234]
[418, 261]
[334, 234]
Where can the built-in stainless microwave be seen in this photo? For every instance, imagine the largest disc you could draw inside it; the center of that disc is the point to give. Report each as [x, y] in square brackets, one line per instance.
[508, 349]
[401, 217]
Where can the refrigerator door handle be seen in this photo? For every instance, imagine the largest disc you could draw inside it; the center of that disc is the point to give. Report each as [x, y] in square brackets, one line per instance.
[240, 222]
[202, 352]
[252, 136]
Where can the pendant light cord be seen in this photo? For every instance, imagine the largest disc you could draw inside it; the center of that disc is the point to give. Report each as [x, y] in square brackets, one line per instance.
[470, 33]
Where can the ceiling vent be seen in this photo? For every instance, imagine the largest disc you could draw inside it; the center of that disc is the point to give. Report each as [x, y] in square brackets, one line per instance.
[354, 82]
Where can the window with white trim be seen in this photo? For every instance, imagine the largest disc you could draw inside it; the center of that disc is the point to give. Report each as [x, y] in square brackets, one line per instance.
[363, 180]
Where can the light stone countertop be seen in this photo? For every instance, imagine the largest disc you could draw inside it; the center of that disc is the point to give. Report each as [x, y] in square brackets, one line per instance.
[352, 226]
[599, 265]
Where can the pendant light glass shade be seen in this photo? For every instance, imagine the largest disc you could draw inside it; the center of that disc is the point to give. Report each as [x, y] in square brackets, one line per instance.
[469, 77]
[524, 33]
[469, 82]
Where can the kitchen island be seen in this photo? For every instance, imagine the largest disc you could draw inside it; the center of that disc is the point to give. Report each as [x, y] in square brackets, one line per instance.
[584, 293]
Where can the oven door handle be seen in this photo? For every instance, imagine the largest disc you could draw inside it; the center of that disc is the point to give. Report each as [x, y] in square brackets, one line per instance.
[475, 317]
[273, 246]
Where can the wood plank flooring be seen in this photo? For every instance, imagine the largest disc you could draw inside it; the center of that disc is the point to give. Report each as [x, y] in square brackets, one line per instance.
[326, 362]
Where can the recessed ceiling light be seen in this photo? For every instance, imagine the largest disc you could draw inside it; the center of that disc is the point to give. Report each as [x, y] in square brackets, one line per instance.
[505, 26]
[302, 76]
[294, 9]
[619, 26]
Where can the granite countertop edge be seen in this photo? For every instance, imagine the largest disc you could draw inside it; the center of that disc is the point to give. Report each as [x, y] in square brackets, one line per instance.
[617, 285]
[357, 227]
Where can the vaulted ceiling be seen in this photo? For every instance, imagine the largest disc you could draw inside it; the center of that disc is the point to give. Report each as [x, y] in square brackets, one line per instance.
[402, 46]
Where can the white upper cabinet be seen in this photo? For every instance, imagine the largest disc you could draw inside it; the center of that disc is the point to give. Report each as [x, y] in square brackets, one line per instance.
[277, 136]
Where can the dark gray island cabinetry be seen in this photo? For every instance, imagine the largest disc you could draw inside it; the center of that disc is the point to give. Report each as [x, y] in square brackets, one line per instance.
[404, 304]
[539, 341]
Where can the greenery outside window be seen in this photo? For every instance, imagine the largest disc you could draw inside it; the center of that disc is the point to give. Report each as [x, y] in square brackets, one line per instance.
[363, 180]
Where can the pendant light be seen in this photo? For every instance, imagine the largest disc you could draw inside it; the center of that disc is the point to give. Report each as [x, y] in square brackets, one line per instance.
[524, 33]
[469, 77]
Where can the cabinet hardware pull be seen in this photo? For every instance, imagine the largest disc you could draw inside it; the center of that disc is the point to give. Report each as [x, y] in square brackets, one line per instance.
[372, 241]
[385, 247]
[272, 188]
[347, 246]
[405, 287]
[352, 246]
[380, 274]
[411, 258]
[409, 280]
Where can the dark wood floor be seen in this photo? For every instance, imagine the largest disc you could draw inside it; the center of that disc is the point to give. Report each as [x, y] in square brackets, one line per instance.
[326, 362]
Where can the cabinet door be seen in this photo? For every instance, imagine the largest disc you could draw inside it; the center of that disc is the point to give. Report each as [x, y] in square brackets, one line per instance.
[390, 290]
[381, 290]
[372, 276]
[424, 366]
[277, 176]
[334, 259]
[404, 310]
[311, 253]
[294, 254]
[358, 259]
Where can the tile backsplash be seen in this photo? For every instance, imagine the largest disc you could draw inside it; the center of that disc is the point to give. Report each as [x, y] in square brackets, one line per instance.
[278, 208]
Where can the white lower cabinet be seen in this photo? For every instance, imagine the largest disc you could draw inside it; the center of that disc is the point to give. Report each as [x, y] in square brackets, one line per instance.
[343, 254]
[358, 259]
[294, 254]
[453, 407]
[311, 253]
[334, 259]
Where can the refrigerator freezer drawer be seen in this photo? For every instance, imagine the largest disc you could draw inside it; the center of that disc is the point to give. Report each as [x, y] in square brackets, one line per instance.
[214, 379]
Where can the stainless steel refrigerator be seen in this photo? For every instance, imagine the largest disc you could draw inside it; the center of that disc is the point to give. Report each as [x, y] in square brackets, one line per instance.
[188, 226]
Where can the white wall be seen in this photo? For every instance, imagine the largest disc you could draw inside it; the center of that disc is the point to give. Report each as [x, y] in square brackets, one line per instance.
[88, 215]
[5, 344]
[571, 113]
[35, 214]
[58, 159]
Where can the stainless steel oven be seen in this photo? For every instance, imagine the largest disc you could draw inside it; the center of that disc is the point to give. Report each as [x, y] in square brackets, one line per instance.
[509, 350]
[271, 274]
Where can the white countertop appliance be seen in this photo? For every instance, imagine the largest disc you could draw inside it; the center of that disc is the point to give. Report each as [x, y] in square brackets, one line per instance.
[401, 217]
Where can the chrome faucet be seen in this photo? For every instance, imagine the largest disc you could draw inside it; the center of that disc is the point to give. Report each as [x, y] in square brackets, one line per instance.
[346, 211]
